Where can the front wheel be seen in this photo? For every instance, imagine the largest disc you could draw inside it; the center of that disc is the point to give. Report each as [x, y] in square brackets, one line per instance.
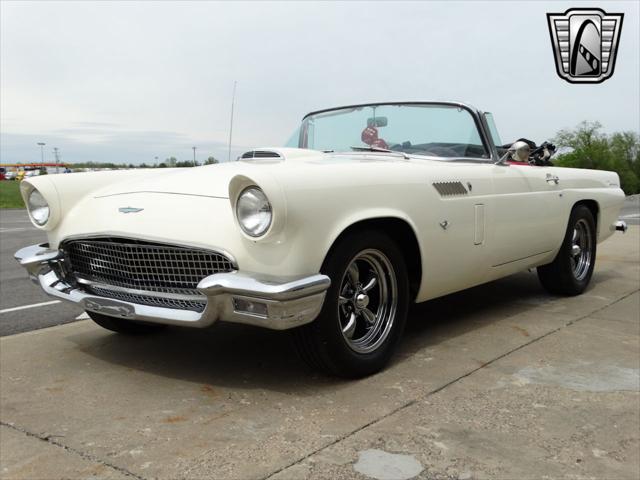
[364, 311]
[571, 270]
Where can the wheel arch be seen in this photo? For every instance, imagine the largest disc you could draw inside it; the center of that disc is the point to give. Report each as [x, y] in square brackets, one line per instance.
[594, 207]
[402, 232]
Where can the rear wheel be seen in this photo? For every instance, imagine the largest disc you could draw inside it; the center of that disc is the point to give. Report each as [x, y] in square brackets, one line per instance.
[571, 270]
[364, 311]
[128, 327]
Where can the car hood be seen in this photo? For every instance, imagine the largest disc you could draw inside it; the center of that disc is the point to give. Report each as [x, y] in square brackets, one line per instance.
[213, 180]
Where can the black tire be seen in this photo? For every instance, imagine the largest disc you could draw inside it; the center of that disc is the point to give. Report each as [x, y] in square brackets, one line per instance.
[128, 327]
[563, 276]
[322, 344]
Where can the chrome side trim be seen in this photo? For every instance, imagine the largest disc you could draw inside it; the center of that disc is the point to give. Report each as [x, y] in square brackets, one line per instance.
[290, 302]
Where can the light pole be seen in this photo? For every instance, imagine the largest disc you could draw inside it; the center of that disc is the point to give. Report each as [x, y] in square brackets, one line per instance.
[42, 144]
[194, 156]
[156, 161]
[55, 153]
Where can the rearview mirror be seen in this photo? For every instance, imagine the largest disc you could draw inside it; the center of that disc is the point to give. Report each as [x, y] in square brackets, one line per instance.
[377, 122]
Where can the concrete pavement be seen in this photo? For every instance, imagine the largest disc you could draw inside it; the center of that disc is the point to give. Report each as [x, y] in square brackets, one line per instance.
[500, 381]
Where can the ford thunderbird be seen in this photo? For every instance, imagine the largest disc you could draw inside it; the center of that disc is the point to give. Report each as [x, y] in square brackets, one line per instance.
[368, 209]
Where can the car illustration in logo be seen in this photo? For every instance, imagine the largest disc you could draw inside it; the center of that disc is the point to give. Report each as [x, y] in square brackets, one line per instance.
[585, 43]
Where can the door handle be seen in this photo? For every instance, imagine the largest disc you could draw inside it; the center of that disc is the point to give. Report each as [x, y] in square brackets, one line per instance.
[553, 179]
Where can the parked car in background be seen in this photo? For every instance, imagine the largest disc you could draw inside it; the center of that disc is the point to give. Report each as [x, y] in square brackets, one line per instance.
[370, 208]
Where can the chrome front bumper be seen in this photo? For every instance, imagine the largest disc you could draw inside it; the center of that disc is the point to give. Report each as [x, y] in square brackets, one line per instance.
[283, 303]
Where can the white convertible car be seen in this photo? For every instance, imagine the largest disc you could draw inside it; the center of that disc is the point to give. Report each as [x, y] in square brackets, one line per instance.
[371, 208]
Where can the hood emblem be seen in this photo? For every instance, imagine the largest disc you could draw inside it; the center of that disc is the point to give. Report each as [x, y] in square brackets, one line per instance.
[129, 210]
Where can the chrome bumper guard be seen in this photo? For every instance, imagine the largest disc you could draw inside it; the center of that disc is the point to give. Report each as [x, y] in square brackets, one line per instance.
[237, 297]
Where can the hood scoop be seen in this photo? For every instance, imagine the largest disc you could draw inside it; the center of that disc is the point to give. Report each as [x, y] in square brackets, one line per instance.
[261, 154]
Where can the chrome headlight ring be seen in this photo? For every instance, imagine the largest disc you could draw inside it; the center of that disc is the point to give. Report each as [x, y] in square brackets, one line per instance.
[38, 207]
[254, 212]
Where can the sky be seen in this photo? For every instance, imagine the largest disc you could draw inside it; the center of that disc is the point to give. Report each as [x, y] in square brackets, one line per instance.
[128, 82]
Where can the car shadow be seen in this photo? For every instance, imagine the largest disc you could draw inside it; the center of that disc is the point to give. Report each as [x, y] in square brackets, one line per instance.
[240, 356]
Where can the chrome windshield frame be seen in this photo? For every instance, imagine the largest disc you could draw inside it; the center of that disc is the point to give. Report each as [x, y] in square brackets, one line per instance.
[476, 114]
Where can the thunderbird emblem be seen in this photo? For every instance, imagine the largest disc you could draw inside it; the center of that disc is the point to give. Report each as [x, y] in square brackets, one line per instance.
[585, 43]
[129, 210]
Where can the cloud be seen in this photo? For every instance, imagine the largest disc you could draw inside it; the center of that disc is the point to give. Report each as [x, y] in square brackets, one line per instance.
[133, 80]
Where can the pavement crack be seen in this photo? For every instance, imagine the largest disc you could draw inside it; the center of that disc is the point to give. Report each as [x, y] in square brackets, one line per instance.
[51, 440]
[448, 384]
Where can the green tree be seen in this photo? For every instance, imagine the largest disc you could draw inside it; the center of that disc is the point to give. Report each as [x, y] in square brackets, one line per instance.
[590, 148]
[185, 163]
[211, 161]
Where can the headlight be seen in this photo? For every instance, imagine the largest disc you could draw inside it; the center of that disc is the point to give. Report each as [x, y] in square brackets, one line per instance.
[38, 207]
[253, 211]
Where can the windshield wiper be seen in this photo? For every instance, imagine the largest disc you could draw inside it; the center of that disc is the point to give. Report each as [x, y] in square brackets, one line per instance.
[370, 148]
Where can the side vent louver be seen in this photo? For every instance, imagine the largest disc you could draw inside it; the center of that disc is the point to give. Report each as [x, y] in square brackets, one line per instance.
[448, 189]
[260, 154]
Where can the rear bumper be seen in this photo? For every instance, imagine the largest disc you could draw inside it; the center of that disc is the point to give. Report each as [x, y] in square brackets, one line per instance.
[238, 297]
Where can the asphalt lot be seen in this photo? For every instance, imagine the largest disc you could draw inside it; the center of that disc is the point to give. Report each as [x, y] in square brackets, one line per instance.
[499, 381]
[17, 291]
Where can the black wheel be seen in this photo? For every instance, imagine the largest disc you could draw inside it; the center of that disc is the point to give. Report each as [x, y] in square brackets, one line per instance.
[120, 325]
[570, 272]
[364, 311]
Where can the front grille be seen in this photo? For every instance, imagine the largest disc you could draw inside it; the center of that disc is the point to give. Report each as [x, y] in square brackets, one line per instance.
[197, 305]
[146, 266]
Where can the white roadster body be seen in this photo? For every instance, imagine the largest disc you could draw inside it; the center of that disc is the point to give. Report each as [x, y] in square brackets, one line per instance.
[166, 245]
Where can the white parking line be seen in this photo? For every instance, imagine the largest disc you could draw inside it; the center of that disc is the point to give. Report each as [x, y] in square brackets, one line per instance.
[4, 230]
[633, 215]
[33, 305]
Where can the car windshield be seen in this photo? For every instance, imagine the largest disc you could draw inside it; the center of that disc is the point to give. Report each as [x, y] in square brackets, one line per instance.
[436, 130]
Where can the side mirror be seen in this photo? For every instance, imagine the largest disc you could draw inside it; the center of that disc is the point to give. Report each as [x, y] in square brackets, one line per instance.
[520, 151]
